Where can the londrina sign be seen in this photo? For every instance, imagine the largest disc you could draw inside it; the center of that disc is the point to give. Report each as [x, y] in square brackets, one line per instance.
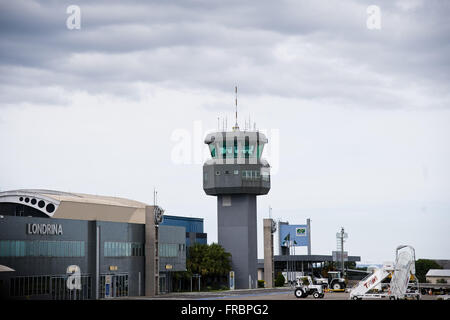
[44, 229]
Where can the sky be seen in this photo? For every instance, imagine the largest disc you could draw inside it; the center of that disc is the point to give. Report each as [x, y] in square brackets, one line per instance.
[353, 96]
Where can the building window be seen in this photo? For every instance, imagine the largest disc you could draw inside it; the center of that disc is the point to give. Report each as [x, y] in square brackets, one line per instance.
[212, 149]
[123, 249]
[169, 249]
[41, 248]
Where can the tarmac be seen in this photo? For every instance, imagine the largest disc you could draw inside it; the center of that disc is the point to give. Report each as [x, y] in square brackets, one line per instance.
[283, 293]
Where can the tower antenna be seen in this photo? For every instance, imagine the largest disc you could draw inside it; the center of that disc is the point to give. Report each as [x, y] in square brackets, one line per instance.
[236, 126]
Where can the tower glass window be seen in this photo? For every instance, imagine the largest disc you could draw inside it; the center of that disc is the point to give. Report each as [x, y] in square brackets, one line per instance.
[212, 149]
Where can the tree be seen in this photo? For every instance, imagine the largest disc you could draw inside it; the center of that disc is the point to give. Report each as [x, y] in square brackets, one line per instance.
[210, 261]
[422, 267]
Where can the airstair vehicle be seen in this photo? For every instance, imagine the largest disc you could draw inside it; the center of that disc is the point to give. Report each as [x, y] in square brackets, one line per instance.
[400, 272]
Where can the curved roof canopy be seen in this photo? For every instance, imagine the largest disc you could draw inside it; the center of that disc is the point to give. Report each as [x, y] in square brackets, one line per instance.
[58, 204]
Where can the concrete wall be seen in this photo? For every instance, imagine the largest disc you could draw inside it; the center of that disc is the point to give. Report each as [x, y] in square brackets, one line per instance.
[237, 234]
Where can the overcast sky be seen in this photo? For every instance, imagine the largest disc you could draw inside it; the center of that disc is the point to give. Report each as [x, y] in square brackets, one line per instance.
[358, 119]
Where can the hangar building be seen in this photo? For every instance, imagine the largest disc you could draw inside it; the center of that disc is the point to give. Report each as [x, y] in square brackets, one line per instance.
[115, 245]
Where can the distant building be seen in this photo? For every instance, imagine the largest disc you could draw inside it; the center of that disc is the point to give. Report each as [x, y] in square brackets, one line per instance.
[193, 228]
[434, 275]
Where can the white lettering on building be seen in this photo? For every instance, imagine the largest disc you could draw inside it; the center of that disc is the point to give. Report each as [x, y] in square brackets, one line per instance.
[44, 229]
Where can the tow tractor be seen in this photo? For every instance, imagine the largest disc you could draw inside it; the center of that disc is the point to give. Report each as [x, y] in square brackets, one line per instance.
[305, 287]
[336, 282]
[401, 272]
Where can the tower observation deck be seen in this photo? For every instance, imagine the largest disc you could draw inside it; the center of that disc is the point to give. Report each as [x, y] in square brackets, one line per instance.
[236, 174]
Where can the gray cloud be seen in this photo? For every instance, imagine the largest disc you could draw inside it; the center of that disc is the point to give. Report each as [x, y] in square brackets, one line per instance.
[304, 49]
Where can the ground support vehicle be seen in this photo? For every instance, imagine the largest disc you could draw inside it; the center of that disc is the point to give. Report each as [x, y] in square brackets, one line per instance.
[306, 287]
[401, 273]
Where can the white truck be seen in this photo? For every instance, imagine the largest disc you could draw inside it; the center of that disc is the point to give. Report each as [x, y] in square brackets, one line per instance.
[400, 272]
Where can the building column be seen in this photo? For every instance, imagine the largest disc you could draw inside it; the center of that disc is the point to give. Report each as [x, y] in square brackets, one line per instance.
[151, 253]
[268, 253]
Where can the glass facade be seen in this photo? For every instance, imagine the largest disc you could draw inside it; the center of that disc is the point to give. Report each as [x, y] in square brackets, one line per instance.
[41, 248]
[123, 249]
[119, 285]
[229, 149]
[191, 224]
[171, 249]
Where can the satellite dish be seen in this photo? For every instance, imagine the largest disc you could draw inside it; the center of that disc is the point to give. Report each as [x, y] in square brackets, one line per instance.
[158, 211]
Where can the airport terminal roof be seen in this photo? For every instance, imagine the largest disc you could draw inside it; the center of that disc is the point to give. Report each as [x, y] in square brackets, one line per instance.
[70, 205]
[78, 197]
[305, 258]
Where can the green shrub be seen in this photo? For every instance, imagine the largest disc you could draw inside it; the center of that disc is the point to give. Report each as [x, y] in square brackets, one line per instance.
[279, 280]
[441, 281]
[261, 283]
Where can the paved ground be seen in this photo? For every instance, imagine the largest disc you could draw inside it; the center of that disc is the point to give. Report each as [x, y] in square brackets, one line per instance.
[255, 294]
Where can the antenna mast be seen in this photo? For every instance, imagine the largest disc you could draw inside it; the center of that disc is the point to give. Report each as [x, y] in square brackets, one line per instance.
[236, 126]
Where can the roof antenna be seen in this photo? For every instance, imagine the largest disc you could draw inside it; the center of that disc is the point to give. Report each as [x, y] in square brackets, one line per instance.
[236, 126]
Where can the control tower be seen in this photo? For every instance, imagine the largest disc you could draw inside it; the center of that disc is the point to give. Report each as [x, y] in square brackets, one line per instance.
[236, 174]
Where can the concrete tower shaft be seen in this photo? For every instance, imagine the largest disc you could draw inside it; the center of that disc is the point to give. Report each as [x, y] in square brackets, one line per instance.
[236, 174]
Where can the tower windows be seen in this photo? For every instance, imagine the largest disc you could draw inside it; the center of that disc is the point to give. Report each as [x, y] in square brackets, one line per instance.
[251, 175]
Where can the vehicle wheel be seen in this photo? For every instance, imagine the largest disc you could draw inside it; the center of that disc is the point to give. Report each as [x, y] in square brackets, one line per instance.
[316, 295]
[337, 286]
[299, 293]
[392, 298]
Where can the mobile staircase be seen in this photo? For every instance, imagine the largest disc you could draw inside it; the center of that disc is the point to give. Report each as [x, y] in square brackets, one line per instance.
[400, 272]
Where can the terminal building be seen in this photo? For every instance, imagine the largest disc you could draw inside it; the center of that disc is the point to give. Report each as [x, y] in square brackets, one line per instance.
[289, 263]
[60, 245]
